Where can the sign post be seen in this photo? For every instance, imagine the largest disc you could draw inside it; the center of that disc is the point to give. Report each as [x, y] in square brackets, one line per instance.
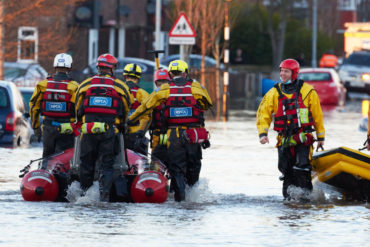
[182, 33]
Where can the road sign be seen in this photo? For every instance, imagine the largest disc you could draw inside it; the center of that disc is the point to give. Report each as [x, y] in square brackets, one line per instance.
[182, 33]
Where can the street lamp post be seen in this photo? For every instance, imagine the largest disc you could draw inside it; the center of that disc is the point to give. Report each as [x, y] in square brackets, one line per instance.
[226, 61]
[314, 34]
[158, 10]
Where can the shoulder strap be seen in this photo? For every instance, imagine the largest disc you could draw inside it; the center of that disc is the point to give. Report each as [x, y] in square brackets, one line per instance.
[278, 89]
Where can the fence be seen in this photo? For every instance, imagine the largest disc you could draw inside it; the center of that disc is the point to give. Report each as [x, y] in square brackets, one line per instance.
[245, 89]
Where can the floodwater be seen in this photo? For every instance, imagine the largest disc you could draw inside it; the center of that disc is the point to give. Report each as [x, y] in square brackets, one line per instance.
[237, 201]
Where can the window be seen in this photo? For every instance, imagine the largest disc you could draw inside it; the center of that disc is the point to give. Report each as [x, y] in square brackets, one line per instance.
[359, 59]
[315, 76]
[4, 99]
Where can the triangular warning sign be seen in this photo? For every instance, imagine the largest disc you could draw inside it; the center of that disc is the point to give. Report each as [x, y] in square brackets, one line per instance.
[182, 27]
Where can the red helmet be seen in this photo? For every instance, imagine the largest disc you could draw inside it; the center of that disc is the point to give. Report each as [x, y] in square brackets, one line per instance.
[291, 64]
[161, 74]
[107, 60]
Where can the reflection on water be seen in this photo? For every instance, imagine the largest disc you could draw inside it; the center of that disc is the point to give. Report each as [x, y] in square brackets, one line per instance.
[237, 202]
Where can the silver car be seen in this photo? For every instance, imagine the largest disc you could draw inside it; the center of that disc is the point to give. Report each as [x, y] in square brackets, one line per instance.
[355, 72]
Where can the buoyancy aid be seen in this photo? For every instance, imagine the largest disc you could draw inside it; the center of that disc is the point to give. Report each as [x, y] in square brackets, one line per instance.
[102, 99]
[181, 106]
[158, 119]
[133, 89]
[292, 115]
[56, 101]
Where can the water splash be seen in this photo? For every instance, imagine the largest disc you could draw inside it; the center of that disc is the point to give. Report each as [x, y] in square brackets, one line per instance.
[75, 193]
[200, 192]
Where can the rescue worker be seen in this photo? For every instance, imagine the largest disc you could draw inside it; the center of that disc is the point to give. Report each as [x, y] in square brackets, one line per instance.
[135, 138]
[185, 102]
[102, 106]
[158, 128]
[54, 99]
[297, 113]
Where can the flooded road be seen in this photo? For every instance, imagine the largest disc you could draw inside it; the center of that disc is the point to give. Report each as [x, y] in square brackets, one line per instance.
[237, 201]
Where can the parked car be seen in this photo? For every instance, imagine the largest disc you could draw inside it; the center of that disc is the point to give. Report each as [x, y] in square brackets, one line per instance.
[27, 94]
[327, 84]
[24, 74]
[195, 61]
[147, 67]
[355, 72]
[15, 129]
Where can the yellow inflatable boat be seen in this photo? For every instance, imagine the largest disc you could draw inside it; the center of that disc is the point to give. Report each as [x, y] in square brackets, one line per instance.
[346, 169]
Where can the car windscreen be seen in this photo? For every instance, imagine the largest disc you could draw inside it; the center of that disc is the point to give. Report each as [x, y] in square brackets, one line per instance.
[314, 76]
[358, 59]
[4, 99]
[11, 73]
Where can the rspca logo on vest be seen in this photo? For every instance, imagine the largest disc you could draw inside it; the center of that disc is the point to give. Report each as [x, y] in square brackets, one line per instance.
[56, 106]
[181, 112]
[101, 101]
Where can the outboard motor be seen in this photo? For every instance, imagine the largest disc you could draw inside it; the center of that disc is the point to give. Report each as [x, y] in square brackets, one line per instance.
[149, 187]
[39, 185]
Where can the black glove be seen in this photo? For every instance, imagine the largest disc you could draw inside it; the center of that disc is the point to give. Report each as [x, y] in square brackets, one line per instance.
[206, 144]
[141, 142]
[38, 133]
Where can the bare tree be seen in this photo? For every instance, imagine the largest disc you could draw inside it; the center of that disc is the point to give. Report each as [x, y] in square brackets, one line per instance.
[279, 12]
[49, 16]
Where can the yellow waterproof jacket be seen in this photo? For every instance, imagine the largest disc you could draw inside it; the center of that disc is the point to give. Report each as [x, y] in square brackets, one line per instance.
[269, 107]
[144, 120]
[121, 88]
[36, 100]
[155, 99]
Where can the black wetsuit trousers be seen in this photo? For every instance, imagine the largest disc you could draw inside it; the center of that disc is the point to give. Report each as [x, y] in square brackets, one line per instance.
[54, 142]
[160, 152]
[295, 166]
[100, 148]
[184, 163]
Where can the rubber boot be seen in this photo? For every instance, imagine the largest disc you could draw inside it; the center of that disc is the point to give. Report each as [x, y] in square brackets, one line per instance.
[303, 180]
[86, 179]
[287, 181]
[179, 187]
[105, 184]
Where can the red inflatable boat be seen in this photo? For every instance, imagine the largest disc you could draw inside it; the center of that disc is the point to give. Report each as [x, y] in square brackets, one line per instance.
[146, 182]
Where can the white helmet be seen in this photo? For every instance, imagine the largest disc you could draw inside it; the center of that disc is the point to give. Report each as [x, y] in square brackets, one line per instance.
[63, 60]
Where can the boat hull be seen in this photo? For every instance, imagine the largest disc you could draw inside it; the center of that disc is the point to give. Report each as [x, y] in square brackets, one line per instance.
[346, 169]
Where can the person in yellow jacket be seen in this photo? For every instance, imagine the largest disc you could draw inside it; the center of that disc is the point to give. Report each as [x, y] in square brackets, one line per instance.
[294, 106]
[158, 127]
[102, 107]
[54, 99]
[185, 102]
[135, 138]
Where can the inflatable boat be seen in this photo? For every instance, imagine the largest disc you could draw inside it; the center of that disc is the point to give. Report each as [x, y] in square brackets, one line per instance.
[145, 181]
[346, 169]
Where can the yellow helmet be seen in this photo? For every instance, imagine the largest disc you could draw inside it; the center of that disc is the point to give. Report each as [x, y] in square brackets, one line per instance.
[179, 65]
[132, 69]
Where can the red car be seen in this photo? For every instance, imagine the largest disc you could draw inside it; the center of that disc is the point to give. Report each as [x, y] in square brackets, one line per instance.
[327, 83]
